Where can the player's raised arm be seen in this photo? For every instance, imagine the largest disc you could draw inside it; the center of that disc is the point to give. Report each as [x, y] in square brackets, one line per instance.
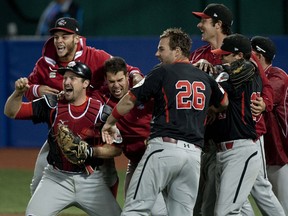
[13, 103]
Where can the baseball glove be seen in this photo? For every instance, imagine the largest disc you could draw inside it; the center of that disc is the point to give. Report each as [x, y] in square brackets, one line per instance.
[241, 71]
[73, 148]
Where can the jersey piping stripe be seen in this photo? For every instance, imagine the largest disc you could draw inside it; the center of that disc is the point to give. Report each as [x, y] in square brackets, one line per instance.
[157, 151]
[263, 158]
[243, 108]
[166, 105]
[242, 175]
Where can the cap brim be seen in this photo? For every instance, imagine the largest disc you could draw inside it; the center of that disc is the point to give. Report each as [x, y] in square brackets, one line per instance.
[220, 52]
[61, 29]
[201, 15]
[62, 70]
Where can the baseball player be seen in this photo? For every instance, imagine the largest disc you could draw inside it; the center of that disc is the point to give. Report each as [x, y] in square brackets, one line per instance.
[275, 140]
[64, 46]
[215, 25]
[64, 183]
[238, 161]
[134, 127]
[171, 163]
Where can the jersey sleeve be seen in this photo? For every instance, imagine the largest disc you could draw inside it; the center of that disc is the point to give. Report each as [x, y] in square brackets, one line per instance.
[38, 111]
[25, 111]
[33, 79]
[219, 95]
[279, 85]
[148, 87]
[41, 111]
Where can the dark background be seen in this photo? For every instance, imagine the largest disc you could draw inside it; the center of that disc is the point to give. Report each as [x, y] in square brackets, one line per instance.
[149, 17]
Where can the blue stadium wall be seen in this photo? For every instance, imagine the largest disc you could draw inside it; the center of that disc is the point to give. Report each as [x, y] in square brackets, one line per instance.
[18, 57]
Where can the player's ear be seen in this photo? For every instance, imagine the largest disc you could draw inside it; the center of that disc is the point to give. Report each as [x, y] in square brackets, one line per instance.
[218, 24]
[178, 51]
[76, 39]
[86, 83]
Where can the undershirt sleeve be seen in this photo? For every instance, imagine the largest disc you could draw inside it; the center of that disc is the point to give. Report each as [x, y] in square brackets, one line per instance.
[25, 111]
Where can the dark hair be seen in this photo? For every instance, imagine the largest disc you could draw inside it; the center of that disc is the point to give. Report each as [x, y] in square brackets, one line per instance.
[178, 38]
[226, 29]
[246, 56]
[115, 64]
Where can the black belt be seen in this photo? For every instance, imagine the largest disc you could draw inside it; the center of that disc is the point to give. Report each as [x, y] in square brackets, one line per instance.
[174, 141]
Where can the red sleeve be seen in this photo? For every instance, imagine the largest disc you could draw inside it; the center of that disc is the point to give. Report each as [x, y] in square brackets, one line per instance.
[43, 74]
[278, 81]
[33, 79]
[25, 111]
[131, 70]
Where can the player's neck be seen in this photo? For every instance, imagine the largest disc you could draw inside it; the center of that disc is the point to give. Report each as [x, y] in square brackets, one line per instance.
[266, 66]
[80, 101]
[217, 41]
[182, 59]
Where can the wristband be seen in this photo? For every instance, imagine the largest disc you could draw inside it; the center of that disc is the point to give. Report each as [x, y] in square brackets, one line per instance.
[116, 114]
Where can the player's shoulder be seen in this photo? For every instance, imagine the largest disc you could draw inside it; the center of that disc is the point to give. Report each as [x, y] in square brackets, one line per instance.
[202, 48]
[197, 53]
[276, 71]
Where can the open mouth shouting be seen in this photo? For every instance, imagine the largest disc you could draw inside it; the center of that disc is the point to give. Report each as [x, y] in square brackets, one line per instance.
[68, 92]
[61, 50]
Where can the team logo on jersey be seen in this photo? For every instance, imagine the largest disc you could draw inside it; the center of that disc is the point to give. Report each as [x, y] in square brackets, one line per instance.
[52, 74]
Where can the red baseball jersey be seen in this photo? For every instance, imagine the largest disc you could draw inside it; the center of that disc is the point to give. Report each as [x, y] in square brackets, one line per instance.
[134, 127]
[45, 70]
[204, 52]
[80, 119]
[276, 138]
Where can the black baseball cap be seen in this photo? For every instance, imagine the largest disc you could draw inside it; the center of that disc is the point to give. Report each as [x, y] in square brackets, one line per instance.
[218, 12]
[78, 68]
[265, 46]
[234, 43]
[67, 24]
